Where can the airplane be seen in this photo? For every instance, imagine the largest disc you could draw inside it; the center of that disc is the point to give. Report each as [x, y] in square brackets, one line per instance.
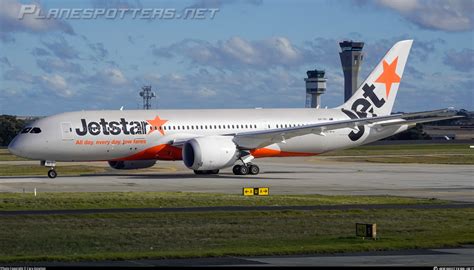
[213, 139]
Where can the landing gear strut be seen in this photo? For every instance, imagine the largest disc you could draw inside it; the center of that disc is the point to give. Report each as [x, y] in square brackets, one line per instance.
[52, 164]
[246, 169]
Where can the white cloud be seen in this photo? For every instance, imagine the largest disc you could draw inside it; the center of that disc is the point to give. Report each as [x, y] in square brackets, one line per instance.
[400, 5]
[50, 65]
[58, 83]
[62, 49]
[9, 10]
[238, 48]
[237, 52]
[446, 15]
[283, 47]
[206, 92]
[113, 76]
[462, 60]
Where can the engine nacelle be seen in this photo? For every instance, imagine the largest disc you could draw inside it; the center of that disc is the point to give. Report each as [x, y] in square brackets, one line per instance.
[210, 153]
[131, 164]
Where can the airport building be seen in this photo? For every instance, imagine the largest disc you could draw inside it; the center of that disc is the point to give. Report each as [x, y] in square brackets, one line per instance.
[351, 59]
[315, 87]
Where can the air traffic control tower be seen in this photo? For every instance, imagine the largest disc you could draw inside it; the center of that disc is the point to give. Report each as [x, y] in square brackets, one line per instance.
[351, 59]
[315, 86]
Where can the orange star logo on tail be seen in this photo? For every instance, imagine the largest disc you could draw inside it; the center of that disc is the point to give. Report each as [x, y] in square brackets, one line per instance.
[389, 75]
[156, 125]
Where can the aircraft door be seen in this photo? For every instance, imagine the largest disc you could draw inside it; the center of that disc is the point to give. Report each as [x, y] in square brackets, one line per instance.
[66, 130]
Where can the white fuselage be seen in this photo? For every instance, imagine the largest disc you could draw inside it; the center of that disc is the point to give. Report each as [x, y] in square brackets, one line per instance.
[150, 134]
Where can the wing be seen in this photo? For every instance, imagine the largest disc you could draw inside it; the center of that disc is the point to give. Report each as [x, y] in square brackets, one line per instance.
[262, 138]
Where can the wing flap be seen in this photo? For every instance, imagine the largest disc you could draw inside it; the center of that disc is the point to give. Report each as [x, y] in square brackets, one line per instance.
[262, 138]
[419, 121]
[257, 139]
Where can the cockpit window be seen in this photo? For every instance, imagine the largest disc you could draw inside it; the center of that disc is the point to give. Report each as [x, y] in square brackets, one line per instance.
[36, 130]
[26, 130]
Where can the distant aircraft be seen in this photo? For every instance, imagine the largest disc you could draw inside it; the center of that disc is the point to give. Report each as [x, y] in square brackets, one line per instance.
[210, 140]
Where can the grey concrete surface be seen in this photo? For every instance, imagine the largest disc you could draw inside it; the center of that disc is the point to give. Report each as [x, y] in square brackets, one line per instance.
[434, 257]
[424, 257]
[302, 175]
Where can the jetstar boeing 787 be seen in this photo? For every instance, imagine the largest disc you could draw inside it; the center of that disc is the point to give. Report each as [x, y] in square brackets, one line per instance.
[210, 140]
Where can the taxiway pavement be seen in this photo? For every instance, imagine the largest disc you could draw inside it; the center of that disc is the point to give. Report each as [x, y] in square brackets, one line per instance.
[300, 175]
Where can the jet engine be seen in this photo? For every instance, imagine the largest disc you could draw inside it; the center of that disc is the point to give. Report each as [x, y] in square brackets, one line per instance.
[131, 164]
[210, 153]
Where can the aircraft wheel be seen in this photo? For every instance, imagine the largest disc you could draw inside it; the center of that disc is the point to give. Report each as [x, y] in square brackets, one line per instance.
[236, 169]
[254, 169]
[214, 172]
[243, 170]
[52, 174]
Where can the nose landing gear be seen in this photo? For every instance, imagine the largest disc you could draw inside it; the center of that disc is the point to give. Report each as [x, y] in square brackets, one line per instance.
[52, 164]
[52, 173]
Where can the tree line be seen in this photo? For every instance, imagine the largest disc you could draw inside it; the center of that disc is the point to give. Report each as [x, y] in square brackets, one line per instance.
[10, 126]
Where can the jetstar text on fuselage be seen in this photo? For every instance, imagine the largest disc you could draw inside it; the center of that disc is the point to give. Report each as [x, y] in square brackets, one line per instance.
[112, 128]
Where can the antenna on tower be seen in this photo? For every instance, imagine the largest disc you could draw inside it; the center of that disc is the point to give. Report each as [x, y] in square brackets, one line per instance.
[147, 95]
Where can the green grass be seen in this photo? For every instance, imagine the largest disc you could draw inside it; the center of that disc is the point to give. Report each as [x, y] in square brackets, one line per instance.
[178, 235]
[89, 200]
[425, 153]
[15, 170]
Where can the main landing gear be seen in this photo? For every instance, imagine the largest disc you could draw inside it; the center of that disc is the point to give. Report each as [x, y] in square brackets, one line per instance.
[52, 164]
[246, 169]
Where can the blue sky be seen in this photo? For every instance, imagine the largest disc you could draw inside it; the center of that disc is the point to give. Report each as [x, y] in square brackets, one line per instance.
[253, 53]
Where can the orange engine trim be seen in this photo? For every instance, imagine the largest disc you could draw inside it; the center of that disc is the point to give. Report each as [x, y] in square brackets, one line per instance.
[266, 152]
[159, 152]
[168, 152]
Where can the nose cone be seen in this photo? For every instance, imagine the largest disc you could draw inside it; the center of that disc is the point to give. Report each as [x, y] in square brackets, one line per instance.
[14, 147]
